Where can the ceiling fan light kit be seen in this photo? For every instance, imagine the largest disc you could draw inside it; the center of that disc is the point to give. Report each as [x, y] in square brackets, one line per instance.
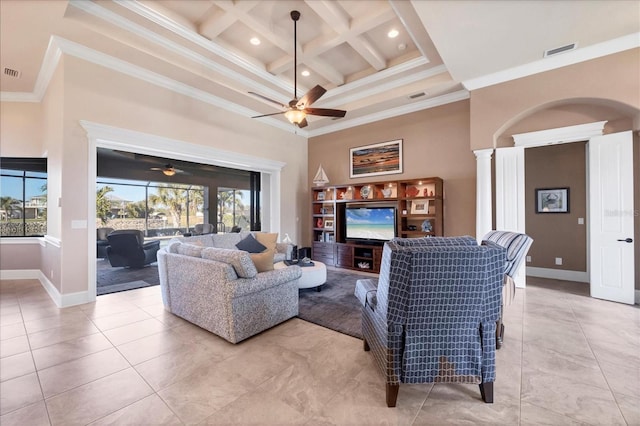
[169, 172]
[297, 110]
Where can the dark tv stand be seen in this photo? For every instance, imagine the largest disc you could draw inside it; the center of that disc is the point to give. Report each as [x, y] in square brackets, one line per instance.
[351, 256]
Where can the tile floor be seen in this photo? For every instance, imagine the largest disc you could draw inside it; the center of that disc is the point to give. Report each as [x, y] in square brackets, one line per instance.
[567, 360]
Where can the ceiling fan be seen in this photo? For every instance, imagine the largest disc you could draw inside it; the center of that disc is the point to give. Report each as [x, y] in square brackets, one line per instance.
[168, 170]
[298, 109]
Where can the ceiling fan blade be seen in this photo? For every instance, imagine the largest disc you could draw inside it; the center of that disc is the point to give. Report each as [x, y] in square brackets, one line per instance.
[268, 100]
[311, 96]
[325, 112]
[267, 115]
[303, 123]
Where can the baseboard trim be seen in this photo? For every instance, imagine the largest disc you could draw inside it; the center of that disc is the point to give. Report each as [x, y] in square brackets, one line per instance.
[20, 274]
[558, 274]
[61, 300]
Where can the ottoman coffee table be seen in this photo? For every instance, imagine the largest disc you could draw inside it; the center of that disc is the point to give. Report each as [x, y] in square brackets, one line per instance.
[312, 276]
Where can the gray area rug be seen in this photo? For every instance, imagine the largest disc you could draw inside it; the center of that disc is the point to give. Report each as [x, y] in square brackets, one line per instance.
[335, 306]
[112, 280]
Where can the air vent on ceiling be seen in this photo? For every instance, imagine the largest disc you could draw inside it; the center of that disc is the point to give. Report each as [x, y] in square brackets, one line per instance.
[12, 73]
[416, 95]
[560, 49]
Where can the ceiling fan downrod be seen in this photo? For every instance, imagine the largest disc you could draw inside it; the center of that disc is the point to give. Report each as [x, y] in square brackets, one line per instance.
[295, 15]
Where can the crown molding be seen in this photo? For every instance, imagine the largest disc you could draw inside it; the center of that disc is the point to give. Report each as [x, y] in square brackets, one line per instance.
[393, 112]
[620, 44]
[49, 64]
[384, 87]
[165, 43]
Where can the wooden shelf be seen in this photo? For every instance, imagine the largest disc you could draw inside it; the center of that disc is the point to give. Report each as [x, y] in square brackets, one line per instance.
[424, 197]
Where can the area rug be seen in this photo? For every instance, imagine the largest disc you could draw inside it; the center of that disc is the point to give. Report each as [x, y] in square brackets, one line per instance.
[111, 280]
[335, 306]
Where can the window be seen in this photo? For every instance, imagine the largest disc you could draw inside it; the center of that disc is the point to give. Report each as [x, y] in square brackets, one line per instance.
[159, 209]
[233, 209]
[23, 197]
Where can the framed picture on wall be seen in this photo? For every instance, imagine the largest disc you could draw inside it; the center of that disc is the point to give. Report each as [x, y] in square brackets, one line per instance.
[377, 159]
[552, 200]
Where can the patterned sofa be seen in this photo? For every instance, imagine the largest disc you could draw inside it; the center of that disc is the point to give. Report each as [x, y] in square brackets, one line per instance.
[220, 289]
[431, 317]
[229, 241]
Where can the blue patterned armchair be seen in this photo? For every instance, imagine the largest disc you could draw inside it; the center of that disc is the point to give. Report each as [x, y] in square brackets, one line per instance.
[432, 315]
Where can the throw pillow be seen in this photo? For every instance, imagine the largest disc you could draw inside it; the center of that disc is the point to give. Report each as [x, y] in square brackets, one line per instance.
[264, 260]
[251, 245]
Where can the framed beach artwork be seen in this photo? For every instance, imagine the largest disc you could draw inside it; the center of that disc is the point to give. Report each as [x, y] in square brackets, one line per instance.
[552, 200]
[383, 158]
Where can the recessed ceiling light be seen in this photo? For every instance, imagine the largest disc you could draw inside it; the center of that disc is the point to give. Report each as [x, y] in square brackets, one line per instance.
[255, 41]
[393, 33]
[305, 73]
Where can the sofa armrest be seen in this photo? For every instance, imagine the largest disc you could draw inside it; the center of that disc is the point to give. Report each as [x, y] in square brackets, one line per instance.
[366, 290]
[265, 280]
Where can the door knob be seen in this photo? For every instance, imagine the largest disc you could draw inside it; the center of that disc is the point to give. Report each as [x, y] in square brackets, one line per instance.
[627, 240]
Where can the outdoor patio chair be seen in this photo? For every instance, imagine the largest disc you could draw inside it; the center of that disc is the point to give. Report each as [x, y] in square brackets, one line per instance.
[127, 248]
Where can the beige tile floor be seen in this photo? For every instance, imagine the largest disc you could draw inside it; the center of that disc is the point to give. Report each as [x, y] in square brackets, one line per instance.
[567, 360]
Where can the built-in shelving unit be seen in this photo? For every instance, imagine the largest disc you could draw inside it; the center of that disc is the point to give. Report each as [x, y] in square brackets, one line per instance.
[418, 204]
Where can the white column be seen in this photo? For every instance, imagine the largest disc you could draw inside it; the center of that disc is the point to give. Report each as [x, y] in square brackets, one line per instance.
[484, 207]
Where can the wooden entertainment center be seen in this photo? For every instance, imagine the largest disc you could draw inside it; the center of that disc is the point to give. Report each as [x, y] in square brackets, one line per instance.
[418, 213]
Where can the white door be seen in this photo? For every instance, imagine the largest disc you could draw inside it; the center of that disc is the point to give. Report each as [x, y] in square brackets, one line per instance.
[611, 217]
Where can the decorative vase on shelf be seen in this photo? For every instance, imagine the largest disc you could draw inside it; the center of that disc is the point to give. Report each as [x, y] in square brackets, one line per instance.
[412, 191]
[365, 191]
[426, 226]
[319, 223]
[386, 192]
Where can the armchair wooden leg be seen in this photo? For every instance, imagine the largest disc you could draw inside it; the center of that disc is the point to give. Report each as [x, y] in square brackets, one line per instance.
[486, 390]
[366, 345]
[392, 394]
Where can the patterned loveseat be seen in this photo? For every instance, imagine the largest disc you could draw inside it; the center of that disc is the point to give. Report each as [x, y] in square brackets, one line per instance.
[431, 317]
[221, 290]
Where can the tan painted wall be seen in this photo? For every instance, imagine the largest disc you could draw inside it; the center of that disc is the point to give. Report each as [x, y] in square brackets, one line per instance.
[17, 256]
[435, 143]
[612, 79]
[557, 234]
[20, 129]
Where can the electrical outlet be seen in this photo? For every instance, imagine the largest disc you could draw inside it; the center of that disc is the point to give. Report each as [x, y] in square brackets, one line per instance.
[558, 261]
[528, 258]
[581, 221]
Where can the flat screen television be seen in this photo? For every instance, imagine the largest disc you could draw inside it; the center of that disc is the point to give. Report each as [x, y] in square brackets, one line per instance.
[374, 224]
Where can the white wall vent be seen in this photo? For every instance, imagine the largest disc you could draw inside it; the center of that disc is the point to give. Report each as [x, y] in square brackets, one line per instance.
[560, 49]
[12, 73]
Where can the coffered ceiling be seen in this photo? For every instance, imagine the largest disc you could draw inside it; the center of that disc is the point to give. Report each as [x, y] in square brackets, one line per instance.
[203, 48]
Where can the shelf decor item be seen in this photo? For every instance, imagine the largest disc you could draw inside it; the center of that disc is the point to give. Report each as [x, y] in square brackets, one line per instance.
[419, 207]
[426, 226]
[319, 223]
[412, 191]
[552, 200]
[365, 191]
[320, 179]
[378, 159]
[328, 224]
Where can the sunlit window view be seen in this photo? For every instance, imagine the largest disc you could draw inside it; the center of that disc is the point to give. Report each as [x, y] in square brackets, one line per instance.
[233, 210]
[23, 203]
[159, 209]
